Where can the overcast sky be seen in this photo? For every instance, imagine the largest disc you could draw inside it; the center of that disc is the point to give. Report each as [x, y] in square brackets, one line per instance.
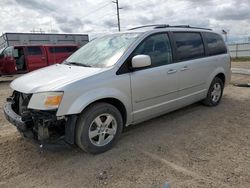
[96, 16]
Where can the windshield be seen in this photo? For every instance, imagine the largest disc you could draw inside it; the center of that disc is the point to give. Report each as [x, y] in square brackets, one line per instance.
[102, 52]
[8, 51]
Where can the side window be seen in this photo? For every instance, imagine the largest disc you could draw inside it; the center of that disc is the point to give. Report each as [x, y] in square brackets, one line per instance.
[215, 44]
[158, 48]
[189, 45]
[62, 49]
[34, 50]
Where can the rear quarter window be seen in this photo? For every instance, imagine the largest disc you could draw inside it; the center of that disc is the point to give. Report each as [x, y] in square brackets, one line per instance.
[215, 44]
[189, 45]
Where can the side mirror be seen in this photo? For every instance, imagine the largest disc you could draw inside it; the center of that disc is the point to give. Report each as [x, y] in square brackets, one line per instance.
[140, 61]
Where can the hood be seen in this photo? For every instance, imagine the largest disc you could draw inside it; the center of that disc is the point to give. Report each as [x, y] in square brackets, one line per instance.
[51, 78]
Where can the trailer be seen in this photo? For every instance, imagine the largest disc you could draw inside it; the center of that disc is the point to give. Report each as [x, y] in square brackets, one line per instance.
[13, 39]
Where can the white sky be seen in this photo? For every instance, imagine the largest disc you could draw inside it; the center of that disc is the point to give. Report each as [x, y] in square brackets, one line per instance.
[97, 16]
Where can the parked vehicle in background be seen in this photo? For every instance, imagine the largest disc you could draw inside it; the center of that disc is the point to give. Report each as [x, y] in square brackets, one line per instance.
[118, 80]
[22, 59]
[24, 52]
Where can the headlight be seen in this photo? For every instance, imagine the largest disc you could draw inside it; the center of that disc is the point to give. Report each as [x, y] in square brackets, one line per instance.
[45, 101]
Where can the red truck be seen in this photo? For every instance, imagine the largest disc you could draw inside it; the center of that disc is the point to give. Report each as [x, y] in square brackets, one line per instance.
[26, 58]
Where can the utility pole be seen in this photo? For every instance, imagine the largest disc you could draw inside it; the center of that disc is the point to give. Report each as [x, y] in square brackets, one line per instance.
[118, 14]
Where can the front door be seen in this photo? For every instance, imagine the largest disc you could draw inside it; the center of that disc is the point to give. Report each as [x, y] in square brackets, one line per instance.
[36, 57]
[154, 88]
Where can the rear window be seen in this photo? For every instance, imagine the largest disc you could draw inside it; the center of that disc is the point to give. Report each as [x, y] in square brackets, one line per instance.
[34, 50]
[215, 44]
[62, 49]
[189, 45]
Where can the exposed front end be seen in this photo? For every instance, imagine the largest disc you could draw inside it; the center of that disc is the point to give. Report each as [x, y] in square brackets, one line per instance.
[41, 125]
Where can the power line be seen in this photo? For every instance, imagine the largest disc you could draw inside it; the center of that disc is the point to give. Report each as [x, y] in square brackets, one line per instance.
[139, 2]
[97, 9]
[107, 14]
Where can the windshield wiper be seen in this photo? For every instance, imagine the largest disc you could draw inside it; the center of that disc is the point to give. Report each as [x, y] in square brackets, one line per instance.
[76, 64]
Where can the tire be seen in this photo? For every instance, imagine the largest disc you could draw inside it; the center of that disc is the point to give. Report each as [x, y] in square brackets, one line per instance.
[214, 93]
[98, 128]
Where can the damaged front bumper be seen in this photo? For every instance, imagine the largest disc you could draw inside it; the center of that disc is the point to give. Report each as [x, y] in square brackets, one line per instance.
[42, 126]
[14, 119]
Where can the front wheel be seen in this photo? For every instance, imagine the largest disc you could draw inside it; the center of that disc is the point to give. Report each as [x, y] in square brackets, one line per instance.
[214, 93]
[98, 128]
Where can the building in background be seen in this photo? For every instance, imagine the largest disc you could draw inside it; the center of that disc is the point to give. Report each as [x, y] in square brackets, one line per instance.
[12, 39]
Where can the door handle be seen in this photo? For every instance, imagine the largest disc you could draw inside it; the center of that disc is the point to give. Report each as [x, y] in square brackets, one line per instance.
[42, 58]
[184, 68]
[172, 71]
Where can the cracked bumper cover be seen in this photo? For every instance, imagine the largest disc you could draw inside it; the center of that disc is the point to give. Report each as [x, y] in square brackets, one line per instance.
[14, 118]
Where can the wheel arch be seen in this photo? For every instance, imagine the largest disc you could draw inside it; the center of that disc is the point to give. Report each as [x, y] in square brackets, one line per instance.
[71, 128]
[116, 103]
[219, 72]
[222, 77]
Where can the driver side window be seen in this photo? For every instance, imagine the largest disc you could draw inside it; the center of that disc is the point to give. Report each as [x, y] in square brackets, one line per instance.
[158, 48]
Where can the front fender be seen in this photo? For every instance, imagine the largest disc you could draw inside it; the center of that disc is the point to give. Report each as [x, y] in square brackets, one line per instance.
[79, 103]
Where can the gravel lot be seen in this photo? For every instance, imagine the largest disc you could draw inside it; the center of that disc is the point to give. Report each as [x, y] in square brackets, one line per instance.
[196, 146]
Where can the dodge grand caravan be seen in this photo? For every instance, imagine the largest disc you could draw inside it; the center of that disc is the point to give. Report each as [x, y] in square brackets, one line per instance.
[118, 80]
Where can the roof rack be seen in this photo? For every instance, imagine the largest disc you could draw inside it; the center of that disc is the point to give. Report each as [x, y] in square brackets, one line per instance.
[154, 25]
[158, 26]
[188, 26]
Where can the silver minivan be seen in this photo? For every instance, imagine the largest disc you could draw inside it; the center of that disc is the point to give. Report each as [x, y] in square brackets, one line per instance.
[118, 80]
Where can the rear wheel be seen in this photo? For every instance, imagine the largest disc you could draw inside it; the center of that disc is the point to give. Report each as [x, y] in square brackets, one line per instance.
[214, 93]
[98, 128]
